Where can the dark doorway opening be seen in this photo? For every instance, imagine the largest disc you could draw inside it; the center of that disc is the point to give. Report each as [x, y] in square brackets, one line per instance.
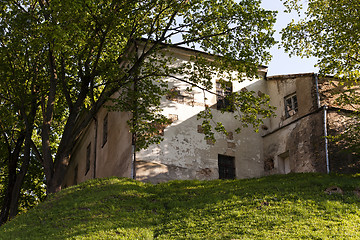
[226, 166]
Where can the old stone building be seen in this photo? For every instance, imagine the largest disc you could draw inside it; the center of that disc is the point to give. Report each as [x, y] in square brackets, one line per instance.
[292, 141]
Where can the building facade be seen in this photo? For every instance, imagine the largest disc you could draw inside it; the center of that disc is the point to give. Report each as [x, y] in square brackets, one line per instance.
[292, 141]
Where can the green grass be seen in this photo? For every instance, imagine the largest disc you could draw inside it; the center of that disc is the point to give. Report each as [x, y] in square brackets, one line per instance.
[276, 207]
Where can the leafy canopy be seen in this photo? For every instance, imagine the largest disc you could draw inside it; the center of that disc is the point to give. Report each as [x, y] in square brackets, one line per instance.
[330, 31]
[61, 60]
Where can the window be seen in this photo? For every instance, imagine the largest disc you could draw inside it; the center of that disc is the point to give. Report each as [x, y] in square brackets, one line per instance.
[226, 166]
[76, 174]
[88, 154]
[222, 95]
[184, 97]
[105, 130]
[291, 105]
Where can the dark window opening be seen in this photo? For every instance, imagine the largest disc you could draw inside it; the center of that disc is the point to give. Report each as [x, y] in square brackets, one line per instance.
[105, 130]
[291, 105]
[226, 166]
[76, 174]
[269, 164]
[223, 94]
[88, 154]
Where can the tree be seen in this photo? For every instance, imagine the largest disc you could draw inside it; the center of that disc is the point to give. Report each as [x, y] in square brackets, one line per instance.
[62, 60]
[18, 109]
[330, 32]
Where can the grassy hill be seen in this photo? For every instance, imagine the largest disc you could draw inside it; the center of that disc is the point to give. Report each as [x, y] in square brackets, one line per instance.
[291, 206]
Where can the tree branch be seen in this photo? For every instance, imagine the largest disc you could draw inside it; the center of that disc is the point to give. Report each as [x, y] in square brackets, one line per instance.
[36, 151]
[64, 84]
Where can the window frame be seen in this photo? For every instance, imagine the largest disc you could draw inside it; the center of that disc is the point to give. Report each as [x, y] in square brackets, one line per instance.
[222, 94]
[293, 105]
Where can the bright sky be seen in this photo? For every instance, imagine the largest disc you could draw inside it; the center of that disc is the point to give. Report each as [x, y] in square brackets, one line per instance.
[281, 62]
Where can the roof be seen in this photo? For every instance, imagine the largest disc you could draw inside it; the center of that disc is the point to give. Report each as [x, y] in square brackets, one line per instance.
[192, 51]
[290, 76]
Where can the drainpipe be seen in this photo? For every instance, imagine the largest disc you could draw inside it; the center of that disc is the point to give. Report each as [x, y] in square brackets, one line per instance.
[326, 141]
[325, 122]
[317, 90]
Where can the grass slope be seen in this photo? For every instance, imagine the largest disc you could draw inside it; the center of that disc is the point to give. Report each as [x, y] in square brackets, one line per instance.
[276, 207]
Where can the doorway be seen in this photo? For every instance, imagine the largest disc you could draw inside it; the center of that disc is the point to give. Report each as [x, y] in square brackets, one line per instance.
[226, 166]
[284, 163]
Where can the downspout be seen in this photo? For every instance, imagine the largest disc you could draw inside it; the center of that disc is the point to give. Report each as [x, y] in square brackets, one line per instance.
[326, 141]
[95, 145]
[325, 122]
[317, 90]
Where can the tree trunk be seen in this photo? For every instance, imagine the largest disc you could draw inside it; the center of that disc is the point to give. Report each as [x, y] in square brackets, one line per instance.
[20, 177]
[11, 199]
[48, 112]
[13, 160]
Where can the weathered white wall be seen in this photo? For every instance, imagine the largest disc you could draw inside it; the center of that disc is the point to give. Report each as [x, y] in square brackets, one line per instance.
[302, 142]
[303, 85]
[300, 138]
[184, 154]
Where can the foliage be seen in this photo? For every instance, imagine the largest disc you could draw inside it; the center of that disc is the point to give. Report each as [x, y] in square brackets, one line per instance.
[33, 189]
[15, 160]
[75, 55]
[347, 142]
[245, 106]
[330, 32]
[61, 60]
[292, 206]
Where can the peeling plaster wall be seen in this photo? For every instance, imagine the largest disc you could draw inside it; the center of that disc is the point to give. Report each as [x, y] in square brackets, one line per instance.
[303, 85]
[296, 143]
[283, 144]
[302, 143]
[185, 154]
[330, 89]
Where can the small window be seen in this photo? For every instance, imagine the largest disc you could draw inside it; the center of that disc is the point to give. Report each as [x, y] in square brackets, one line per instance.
[291, 105]
[88, 154]
[105, 130]
[76, 175]
[222, 96]
[182, 97]
[226, 166]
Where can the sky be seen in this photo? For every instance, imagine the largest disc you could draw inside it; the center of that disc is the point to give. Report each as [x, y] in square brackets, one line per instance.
[281, 63]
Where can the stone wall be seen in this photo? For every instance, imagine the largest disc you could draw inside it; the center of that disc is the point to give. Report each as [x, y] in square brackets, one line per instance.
[296, 147]
[342, 158]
